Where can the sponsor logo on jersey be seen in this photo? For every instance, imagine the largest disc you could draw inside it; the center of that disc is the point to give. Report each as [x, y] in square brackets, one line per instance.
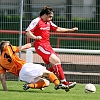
[46, 28]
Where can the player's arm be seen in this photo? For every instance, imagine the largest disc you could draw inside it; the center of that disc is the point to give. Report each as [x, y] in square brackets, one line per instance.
[59, 29]
[32, 36]
[26, 46]
[23, 47]
[2, 79]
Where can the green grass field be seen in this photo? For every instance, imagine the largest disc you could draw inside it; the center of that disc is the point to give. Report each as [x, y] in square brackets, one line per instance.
[16, 92]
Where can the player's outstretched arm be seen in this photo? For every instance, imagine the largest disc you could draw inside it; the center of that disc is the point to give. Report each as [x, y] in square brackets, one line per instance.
[26, 46]
[59, 29]
[2, 79]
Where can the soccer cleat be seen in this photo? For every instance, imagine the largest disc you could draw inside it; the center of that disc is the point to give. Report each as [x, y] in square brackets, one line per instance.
[72, 84]
[61, 86]
[26, 87]
[41, 89]
[69, 84]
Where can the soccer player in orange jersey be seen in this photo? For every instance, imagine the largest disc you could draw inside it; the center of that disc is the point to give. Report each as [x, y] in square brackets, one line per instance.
[40, 27]
[27, 72]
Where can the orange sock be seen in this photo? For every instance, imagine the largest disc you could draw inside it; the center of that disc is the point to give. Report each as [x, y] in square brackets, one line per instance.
[38, 85]
[52, 77]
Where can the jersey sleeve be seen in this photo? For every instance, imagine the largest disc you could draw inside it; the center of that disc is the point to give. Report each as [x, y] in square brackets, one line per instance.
[33, 24]
[11, 49]
[53, 26]
[15, 48]
[2, 70]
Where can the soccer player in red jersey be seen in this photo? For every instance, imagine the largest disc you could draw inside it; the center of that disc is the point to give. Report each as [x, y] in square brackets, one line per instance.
[39, 28]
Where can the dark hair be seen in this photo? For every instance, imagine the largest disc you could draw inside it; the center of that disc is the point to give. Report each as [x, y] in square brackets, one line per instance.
[46, 10]
[2, 44]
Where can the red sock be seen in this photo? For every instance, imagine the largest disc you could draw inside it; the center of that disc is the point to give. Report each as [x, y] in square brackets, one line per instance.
[66, 83]
[51, 69]
[59, 71]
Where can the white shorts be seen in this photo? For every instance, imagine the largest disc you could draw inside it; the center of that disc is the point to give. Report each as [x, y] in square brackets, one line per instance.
[31, 73]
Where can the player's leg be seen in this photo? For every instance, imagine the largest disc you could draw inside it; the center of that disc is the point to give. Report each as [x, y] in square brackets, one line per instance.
[32, 73]
[49, 56]
[53, 78]
[59, 71]
[57, 67]
[45, 83]
[38, 85]
[51, 69]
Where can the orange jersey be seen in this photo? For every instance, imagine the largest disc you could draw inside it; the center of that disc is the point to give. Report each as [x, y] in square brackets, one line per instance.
[10, 61]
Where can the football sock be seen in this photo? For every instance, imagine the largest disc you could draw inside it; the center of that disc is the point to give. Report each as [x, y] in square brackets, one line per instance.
[59, 72]
[50, 69]
[65, 83]
[52, 77]
[38, 85]
[57, 69]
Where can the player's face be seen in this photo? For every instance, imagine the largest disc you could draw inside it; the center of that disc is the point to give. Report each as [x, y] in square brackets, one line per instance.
[49, 17]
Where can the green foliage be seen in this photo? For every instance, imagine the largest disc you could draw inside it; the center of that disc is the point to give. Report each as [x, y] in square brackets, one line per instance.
[86, 25]
[90, 45]
[15, 92]
[75, 44]
[89, 25]
[13, 38]
[10, 22]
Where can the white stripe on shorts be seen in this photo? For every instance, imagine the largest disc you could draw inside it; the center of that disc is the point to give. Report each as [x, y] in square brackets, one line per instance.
[42, 50]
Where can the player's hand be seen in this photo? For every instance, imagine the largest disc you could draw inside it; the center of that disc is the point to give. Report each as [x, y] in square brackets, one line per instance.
[38, 38]
[75, 29]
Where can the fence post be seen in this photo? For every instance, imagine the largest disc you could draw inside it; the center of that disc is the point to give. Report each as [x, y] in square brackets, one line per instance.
[20, 34]
[29, 56]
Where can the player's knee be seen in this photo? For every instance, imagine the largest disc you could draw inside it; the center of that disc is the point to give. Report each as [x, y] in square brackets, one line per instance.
[58, 61]
[54, 59]
[47, 82]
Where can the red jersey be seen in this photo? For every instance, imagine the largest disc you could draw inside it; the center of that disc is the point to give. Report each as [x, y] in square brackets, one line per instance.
[10, 61]
[41, 28]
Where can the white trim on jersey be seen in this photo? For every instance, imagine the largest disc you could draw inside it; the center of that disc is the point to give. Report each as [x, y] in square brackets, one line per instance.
[52, 24]
[33, 24]
[42, 50]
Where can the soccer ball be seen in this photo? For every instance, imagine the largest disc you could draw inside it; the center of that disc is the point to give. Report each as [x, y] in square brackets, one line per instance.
[90, 88]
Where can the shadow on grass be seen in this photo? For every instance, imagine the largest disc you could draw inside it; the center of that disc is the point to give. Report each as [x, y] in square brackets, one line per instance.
[28, 91]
